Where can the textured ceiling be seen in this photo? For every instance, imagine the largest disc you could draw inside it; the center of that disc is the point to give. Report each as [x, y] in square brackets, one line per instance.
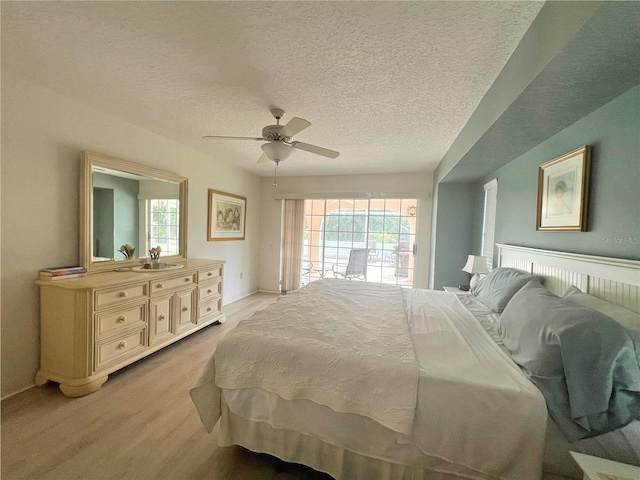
[599, 63]
[388, 84]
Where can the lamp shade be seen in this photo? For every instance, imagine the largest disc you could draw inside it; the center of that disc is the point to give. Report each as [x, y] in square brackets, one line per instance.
[277, 151]
[476, 264]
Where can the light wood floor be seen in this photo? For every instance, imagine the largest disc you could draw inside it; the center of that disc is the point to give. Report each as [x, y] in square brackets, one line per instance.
[140, 425]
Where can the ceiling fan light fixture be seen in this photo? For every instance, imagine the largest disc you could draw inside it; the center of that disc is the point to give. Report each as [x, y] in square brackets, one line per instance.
[277, 151]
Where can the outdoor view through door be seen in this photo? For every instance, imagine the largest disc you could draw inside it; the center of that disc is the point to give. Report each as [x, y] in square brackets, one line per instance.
[368, 240]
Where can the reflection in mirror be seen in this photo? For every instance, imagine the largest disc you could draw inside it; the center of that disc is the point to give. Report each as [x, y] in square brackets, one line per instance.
[133, 210]
[130, 205]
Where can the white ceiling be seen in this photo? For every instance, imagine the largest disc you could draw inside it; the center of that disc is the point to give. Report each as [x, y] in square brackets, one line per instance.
[388, 84]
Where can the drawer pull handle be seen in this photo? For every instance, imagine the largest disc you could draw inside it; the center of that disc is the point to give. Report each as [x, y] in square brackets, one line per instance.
[123, 294]
[122, 345]
[185, 309]
[208, 309]
[162, 317]
[209, 274]
[160, 285]
[209, 291]
[122, 319]
[187, 280]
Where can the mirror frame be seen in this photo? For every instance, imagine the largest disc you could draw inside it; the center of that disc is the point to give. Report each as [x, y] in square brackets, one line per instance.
[92, 159]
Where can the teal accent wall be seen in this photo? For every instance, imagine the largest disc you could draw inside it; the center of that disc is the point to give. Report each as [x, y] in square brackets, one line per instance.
[125, 210]
[103, 229]
[613, 131]
[453, 233]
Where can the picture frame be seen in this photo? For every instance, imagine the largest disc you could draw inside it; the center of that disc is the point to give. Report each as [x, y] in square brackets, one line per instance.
[227, 214]
[563, 191]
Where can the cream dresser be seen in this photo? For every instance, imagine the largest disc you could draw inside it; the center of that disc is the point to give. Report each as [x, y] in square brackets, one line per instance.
[94, 325]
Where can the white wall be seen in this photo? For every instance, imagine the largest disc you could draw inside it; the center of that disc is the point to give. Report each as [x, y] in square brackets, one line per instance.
[271, 214]
[43, 135]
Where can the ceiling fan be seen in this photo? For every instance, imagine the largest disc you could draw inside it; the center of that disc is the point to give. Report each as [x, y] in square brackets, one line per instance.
[279, 144]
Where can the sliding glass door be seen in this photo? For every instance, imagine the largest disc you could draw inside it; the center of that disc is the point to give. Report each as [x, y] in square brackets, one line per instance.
[361, 239]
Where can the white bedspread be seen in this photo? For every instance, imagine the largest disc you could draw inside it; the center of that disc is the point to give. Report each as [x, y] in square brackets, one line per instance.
[341, 344]
[477, 415]
[476, 407]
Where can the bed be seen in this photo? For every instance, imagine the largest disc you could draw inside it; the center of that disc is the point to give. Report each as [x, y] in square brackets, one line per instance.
[364, 381]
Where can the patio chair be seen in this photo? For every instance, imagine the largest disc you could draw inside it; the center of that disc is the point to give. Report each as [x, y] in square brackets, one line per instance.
[308, 268]
[373, 251]
[394, 255]
[305, 274]
[356, 267]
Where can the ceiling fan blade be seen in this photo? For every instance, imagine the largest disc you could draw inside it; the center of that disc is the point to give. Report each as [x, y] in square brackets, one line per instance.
[325, 152]
[295, 126]
[263, 160]
[233, 138]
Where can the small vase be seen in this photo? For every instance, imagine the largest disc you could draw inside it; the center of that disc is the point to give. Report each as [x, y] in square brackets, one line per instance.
[155, 263]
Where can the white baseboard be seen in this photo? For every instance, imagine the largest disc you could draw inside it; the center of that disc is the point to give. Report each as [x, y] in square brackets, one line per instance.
[240, 297]
[268, 291]
[19, 391]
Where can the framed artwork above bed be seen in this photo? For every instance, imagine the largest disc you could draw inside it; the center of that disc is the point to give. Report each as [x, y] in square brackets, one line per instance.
[563, 187]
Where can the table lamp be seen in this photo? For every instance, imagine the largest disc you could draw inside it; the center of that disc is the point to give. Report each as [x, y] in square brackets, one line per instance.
[475, 265]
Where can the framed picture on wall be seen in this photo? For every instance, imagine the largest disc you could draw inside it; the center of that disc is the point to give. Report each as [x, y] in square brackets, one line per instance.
[563, 188]
[227, 215]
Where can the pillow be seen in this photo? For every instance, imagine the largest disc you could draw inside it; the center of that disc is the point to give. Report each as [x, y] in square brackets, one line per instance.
[496, 289]
[582, 361]
[628, 319]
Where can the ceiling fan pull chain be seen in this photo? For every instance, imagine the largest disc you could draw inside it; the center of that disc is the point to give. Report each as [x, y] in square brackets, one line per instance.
[275, 178]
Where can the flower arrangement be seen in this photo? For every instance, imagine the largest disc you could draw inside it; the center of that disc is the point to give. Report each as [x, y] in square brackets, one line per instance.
[154, 253]
[127, 250]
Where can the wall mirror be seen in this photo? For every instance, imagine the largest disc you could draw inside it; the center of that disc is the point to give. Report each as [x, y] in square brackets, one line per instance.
[122, 203]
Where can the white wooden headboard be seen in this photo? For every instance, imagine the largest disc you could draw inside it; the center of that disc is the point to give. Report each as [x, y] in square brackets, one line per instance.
[615, 280]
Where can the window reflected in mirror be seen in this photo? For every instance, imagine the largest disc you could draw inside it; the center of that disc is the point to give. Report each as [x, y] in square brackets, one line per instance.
[164, 222]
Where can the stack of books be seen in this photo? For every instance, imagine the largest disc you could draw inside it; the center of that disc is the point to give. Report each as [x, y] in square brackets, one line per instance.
[60, 273]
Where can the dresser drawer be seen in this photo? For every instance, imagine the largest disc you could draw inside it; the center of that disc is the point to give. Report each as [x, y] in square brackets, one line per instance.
[168, 284]
[115, 296]
[210, 308]
[112, 351]
[117, 321]
[212, 274]
[208, 291]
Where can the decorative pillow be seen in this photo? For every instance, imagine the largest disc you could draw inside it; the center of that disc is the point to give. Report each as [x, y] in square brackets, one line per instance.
[496, 289]
[582, 361]
[628, 319]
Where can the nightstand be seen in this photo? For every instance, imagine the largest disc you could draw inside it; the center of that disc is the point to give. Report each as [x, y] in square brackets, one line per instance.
[455, 290]
[593, 466]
